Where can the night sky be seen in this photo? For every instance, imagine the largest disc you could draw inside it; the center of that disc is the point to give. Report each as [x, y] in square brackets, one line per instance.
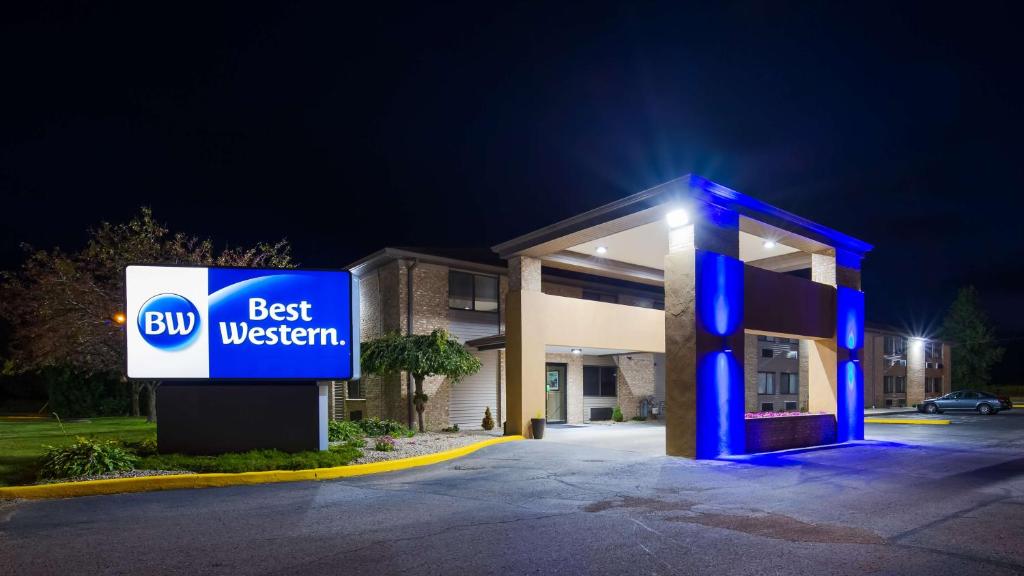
[346, 129]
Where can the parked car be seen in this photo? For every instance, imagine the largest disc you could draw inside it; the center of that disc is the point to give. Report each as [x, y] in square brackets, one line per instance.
[981, 402]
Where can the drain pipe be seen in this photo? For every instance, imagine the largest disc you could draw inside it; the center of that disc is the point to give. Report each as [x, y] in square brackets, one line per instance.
[408, 330]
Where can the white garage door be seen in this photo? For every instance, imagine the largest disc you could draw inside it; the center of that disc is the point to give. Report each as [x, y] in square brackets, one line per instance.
[474, 393]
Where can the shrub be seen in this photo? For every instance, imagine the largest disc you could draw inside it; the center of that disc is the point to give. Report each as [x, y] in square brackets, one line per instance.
[85, 458]
[452, 428]
[76, 394]
[617, 414]
[378, 427]
[344, 431]
[488, 422]
[385, 443]
[639, 418]
[253, 461]
[144, 447]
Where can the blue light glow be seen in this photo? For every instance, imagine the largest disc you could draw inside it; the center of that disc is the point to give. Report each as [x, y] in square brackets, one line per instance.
[719, 293]
[720, 426]
[721, 429]
[850, 393]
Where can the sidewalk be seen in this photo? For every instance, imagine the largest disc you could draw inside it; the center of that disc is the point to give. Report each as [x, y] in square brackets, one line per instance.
[886, 411]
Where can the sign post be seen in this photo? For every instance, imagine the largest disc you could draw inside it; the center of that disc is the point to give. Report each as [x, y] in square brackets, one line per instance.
[245, 353]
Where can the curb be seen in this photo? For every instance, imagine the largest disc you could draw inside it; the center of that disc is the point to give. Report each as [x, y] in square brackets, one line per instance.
[911, 421]
[184, 481]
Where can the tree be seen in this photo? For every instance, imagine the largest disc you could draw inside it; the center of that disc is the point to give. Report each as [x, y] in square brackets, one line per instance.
[422, 355]
[66, 309]
[974, 347]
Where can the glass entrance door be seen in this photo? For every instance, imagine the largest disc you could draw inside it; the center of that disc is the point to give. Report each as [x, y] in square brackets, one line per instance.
[554, 385]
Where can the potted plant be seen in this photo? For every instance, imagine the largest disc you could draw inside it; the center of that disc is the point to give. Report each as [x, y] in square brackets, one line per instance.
[537, 425]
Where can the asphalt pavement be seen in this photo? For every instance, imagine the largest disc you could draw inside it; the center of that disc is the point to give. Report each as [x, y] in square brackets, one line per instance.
[596, 500]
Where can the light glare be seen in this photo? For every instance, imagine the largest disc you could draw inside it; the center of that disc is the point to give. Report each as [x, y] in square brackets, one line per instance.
[677, 218]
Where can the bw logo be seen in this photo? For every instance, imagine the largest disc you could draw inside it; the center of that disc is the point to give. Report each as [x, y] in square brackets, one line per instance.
[168, 321]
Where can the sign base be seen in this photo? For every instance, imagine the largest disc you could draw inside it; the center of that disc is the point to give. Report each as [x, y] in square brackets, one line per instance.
[206, 417]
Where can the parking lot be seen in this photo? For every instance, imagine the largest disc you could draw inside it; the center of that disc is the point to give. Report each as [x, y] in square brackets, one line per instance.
[909, 500]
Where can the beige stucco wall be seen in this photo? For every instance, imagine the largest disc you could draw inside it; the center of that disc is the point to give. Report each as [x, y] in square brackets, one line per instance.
[536, 320]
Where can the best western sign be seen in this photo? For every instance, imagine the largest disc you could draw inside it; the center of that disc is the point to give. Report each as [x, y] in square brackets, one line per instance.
[240, 323]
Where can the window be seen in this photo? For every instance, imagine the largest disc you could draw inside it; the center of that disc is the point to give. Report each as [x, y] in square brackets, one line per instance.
[600, 297]
[766, 353]
[766, 383]
[472, 292]
[937, 385]
[790, 405]
[790, 383]
[901, 384]
[355, 390]
[895, 345]
[767, 407]
[599, 381]
[888, 403]
[888, 384]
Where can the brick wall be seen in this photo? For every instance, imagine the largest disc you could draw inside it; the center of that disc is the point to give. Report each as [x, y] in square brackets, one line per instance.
[635, 381]
[768, 434]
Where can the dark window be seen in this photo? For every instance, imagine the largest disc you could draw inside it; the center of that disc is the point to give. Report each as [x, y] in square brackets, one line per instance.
[790, 383]
[887, 384]
[895, 345]
[790, 405]
[599, 381]
[600, 297]
[888, 403]
[472, 292]
[767, 353]
[355, 389]
[901, 384]
[766, 383]
[767, 407]
[761, 338]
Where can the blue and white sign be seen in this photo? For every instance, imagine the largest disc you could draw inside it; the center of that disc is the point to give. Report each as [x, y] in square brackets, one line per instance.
[240, 323]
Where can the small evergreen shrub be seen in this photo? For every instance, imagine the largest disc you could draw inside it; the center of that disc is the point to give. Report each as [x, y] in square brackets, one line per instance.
[639, 418]
[617, 414]
[85, 457]
[488, 422]
[452, 428]
[144, 447]
[384, 443]
[344, 431]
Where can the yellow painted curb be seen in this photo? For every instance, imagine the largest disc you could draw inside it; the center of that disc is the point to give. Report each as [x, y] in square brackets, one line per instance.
[179, 481]
[906, 421]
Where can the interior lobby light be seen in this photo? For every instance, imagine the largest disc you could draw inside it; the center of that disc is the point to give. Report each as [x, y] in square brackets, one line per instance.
[677, 218]
[601, 249]
[769, 244]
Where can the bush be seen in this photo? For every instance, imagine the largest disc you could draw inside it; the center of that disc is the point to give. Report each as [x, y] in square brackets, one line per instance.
[385, 443]
[253, 461]
[488, 422]
[639, 418]
[378, 427]
[85, 458]
[452, 428]
[74, 394]
[617, 414]
[344, 431]
[144, 447]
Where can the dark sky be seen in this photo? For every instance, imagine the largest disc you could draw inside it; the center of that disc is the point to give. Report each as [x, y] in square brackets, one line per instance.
[346, 129]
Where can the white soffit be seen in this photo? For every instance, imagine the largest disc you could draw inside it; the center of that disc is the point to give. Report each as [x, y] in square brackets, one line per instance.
[647, 246]
[585, 351]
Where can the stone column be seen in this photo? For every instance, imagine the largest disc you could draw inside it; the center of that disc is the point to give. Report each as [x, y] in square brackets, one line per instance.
[704, 340]
[524, 347]
[915, 371]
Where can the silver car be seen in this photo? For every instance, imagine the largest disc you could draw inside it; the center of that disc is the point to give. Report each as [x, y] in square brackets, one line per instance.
[981, 402]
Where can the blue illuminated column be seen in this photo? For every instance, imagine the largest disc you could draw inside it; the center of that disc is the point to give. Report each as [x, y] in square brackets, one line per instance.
[704, 386]
[850, 343]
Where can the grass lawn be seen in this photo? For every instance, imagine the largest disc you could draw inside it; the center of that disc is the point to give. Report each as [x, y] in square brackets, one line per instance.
[22, 444]
[22, 441]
